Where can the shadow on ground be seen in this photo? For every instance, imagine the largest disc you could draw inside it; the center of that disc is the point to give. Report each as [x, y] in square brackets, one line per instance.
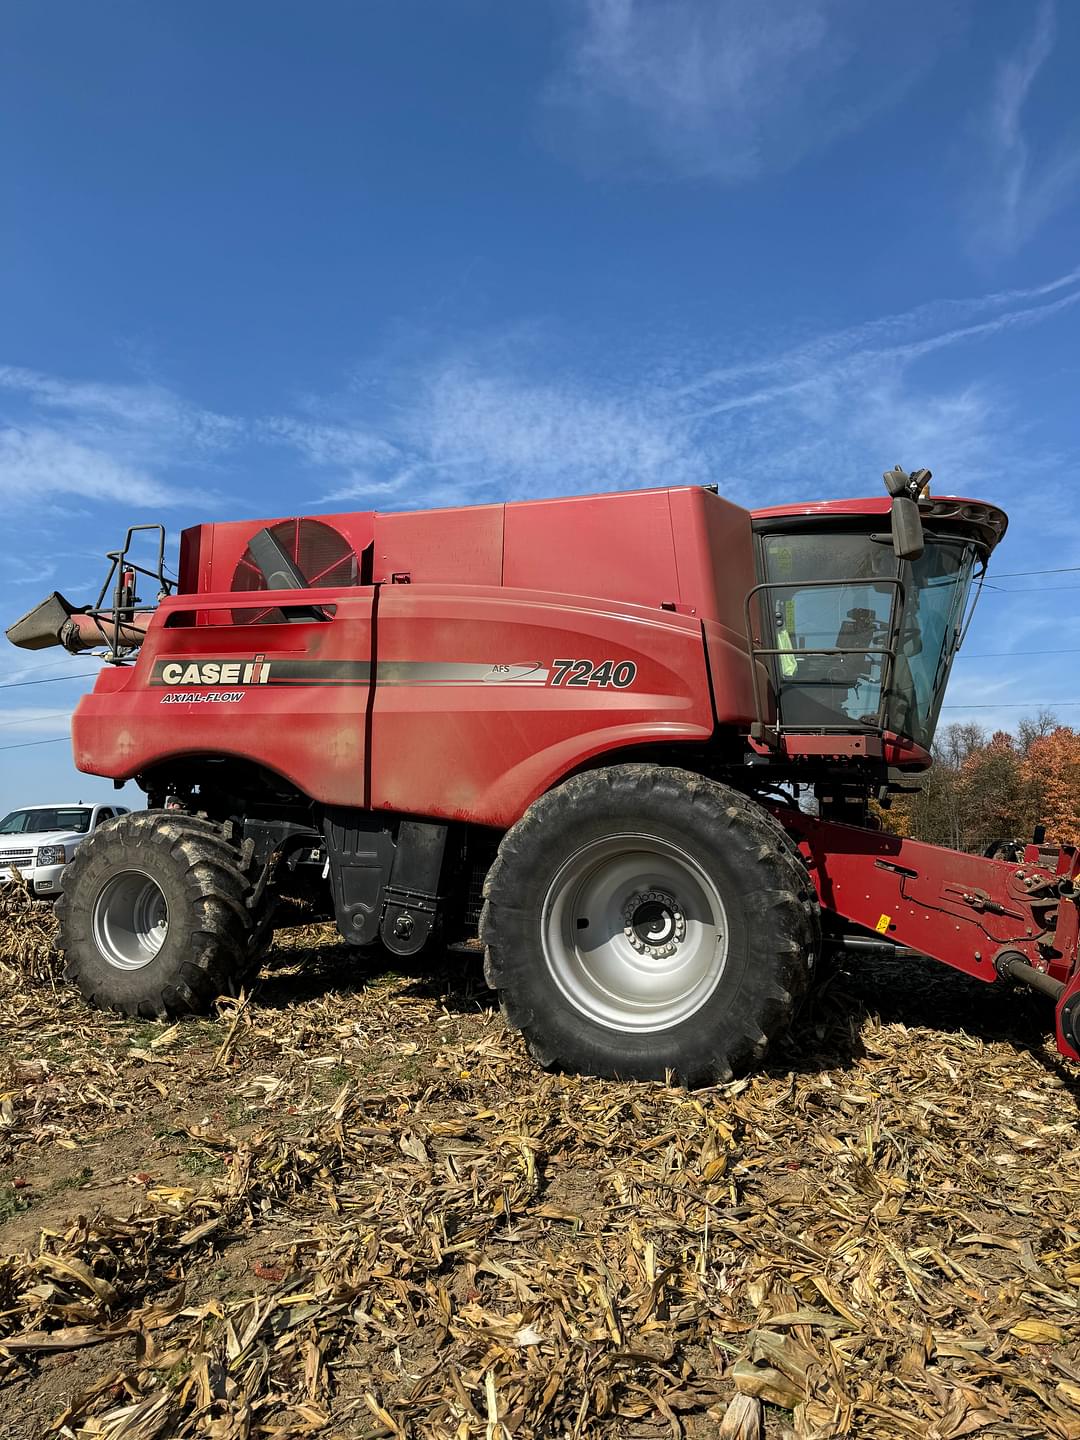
[920, 995]
[827, 1035]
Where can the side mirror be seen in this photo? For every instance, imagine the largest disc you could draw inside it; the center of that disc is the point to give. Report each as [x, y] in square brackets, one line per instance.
[907, 531]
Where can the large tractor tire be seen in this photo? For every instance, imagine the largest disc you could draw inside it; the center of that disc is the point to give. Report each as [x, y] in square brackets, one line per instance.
[157, 918]
[640, 920]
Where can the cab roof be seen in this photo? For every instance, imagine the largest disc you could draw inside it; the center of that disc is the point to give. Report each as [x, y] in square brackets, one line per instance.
[979, 519]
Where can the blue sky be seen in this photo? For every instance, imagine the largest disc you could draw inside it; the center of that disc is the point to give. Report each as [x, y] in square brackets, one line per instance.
[260, 258]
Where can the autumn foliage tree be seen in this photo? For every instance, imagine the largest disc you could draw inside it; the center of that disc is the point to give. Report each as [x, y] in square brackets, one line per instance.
[1050, 775]
[985, 788]
[992, 799]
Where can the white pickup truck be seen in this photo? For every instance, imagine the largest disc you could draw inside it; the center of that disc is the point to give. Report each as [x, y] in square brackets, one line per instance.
[40, 840]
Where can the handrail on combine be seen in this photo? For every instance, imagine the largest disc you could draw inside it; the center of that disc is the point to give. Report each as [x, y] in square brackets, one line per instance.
[888, 653]
[115, 621]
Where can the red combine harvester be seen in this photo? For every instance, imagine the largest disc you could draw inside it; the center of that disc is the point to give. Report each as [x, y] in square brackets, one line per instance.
[574, 732]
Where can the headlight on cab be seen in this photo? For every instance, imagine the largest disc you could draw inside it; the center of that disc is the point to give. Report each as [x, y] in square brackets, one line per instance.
[51, 855]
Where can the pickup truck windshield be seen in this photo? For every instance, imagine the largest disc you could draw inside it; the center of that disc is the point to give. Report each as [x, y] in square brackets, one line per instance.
[837, 605]
[36, 822]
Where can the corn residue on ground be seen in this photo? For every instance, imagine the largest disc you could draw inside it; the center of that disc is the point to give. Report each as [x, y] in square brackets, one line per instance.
[349, 1206]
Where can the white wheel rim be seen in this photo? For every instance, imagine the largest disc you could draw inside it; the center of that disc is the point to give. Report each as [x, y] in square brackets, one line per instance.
[634, 933]
[131, 920]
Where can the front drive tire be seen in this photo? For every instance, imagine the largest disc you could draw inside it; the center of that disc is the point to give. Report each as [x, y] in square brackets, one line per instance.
[155, 916]
[640, 920]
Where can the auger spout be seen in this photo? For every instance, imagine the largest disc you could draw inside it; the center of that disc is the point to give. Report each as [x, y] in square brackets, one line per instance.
[57, 622]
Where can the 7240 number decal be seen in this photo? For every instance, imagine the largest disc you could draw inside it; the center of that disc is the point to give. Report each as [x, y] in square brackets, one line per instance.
[619, 673]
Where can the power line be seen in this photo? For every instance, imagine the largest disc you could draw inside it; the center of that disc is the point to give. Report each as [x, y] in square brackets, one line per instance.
[56, 679]
[1013, 574]
[1011, 654]
[1015, 705]
[59, 670]
[56, 668]
[25, 744]
[34, 719]
[1027, 589]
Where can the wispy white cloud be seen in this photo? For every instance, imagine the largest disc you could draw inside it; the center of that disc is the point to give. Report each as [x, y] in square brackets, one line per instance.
[512, 416]
[102, 442]
[324, 444]
[726, 89]
[934, 325]
[526, 435]
[1021, 189]
[497, 417]
[20, 571]
[417, 482]
[847, 402]
[38, 466]
[148, 417]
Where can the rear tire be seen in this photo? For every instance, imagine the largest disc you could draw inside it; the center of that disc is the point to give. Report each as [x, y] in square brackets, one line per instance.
[156, 916]
[640, 920]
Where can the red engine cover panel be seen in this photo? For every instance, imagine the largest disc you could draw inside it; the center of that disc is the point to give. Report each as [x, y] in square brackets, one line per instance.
[302, 713]
[474, 717]
[473, 714]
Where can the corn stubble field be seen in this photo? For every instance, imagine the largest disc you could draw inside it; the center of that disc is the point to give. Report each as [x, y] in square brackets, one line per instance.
[349, 1206]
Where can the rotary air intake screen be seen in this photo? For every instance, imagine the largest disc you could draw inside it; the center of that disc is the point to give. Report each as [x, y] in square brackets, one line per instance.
[322, 555]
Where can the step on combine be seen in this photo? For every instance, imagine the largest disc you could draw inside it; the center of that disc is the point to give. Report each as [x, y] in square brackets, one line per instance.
[626, 745]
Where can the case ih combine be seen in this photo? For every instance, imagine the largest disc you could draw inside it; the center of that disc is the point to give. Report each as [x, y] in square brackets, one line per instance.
[574, 732]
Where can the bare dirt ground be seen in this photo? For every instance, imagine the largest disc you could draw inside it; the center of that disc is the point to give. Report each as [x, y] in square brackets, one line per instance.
[350, 1206]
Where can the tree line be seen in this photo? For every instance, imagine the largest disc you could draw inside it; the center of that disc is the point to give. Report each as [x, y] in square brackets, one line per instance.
[1000, 786]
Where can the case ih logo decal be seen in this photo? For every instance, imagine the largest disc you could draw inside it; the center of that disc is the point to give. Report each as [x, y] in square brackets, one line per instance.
[209, 674]
[212, 672]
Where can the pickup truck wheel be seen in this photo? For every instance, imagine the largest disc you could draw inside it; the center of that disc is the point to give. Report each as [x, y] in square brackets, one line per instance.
[155, 916]
[641, 920]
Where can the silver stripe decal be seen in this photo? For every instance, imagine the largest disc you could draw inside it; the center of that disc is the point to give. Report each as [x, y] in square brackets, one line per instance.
[439, 672]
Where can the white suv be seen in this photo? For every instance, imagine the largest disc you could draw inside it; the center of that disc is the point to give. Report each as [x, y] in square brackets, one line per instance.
[40, 840]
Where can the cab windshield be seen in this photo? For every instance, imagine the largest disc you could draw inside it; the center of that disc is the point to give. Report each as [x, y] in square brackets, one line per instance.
[861, 639]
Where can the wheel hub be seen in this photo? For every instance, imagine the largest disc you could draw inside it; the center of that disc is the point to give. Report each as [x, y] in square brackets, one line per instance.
[634, 932]
[130, 920]
[655, 924]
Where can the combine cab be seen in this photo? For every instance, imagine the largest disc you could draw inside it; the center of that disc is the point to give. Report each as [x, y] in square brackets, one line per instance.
[625, 744]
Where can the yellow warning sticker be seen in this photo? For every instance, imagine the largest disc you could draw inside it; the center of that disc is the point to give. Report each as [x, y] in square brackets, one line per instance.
[883, 924]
